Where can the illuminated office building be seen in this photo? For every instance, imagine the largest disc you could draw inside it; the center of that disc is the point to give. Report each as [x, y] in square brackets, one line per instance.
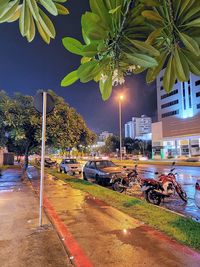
[177, 132]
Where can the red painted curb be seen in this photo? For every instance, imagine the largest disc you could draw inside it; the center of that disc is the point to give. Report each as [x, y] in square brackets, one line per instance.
[79, 257]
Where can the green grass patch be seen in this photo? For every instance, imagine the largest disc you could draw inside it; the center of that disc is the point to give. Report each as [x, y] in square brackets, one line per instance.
[184, 230]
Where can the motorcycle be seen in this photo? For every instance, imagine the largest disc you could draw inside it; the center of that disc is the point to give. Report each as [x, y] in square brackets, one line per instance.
[166, 185]
[122, 184]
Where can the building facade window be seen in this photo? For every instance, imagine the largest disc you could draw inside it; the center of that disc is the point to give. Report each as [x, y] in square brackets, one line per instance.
[198, 94]
[184, 100]
[171, 113]
[197, 83]
[172, 103]
[174, 92]
[161, 78]
[198, 106]
[190, 97]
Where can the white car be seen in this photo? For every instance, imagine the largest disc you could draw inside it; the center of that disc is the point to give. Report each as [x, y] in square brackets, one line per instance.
[70, 166]
[197, 193]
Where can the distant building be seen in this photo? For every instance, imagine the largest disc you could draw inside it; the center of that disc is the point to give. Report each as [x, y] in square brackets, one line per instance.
[139, 128]
[104, 135]
[177, 132]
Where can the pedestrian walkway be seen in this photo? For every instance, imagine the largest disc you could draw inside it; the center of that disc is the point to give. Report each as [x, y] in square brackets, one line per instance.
[109, 237]
[22, 242]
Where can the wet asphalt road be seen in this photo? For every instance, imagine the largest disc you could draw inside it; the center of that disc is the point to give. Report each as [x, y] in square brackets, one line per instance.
[187, 177]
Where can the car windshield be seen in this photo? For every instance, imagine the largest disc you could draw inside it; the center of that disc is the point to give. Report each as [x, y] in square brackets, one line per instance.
[104, 164]
[70, 161]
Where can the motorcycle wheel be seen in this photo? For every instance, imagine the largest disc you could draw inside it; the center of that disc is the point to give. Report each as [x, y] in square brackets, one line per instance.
[182, 194]
[117, 186]
[152, 197]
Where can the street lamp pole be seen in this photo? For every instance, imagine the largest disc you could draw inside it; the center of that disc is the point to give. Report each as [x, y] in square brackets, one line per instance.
[120, 125]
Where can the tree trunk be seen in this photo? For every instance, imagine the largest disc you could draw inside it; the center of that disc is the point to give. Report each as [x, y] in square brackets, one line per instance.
[25, 166]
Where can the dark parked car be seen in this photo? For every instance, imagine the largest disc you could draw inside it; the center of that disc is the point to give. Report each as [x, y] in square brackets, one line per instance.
[49, 163]
[102, 171]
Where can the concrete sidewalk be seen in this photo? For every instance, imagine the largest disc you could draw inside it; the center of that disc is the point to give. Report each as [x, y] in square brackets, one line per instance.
[109, 237]
[22, 243]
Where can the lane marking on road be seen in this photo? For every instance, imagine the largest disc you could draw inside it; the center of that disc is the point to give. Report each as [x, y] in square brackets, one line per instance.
[77, 254]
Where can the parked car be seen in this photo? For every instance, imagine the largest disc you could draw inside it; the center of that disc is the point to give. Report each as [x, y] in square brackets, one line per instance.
[70, 166]
[197, 193]
[102, 171]
[194, 159]
[48, 162]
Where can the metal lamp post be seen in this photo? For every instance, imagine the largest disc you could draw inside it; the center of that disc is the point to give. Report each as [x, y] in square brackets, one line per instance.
[121, 97]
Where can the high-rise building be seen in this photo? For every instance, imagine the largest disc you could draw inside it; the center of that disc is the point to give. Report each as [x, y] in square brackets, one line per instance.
[139, 128]
[104, 135]
[178, 129]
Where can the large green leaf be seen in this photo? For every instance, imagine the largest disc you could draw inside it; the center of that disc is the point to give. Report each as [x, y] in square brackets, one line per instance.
[145, 47]
[193, 63]
[47, 24]
[152, 15]
[190, 43]
[169, 76]
[194, 23]
[92, 26]
[42, 33]
[73, 45]
[181, 65]
[90, 50]
[4, 7]
[106, 87]
[9, 11]
[70, 78]
[99, 8]
[31, 32]
[34, 9]
[50, 6]
[61, 9]
[190, 13]
[16, 15]
[153, 72]
[24, 20]
[86, 72]
[141, 60]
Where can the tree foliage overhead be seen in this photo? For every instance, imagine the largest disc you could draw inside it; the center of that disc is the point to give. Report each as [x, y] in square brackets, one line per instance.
[31, 15]
[125, 37]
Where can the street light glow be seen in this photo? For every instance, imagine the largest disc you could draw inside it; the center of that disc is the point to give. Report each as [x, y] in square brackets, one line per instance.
[121, 97]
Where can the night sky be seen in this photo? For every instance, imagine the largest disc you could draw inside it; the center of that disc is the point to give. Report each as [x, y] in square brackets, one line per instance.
[28, 67]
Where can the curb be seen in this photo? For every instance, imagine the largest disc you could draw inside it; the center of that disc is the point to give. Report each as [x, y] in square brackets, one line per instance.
[76, 253]
[78, 256]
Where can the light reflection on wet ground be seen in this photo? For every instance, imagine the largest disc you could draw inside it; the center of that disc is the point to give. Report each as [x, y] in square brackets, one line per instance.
[9, 180]
[187, 177]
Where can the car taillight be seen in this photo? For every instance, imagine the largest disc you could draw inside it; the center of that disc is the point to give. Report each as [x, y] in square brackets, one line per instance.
[197, 186]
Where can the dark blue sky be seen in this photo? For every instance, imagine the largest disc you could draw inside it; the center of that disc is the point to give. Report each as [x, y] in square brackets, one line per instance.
[28, 67]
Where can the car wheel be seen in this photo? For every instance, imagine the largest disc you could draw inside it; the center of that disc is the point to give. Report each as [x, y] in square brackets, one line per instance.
[80, 172]
[60, 170]
[98, 180]
[65, 171]
[84, 177]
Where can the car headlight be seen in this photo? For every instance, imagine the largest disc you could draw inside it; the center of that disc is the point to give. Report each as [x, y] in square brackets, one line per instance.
[104, 174]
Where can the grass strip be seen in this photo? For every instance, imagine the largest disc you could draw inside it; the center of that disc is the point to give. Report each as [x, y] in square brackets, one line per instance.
[182, 229]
